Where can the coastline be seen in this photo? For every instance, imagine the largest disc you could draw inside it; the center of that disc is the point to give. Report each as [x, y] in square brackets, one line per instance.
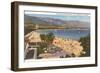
[72, 47]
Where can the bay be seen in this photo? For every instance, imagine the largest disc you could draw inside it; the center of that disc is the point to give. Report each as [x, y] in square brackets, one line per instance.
[74, 34]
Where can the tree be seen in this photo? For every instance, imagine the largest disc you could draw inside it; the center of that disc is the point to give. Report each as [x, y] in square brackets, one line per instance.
[47, 40]
[43, 37]
[85, 42]
[50, 38]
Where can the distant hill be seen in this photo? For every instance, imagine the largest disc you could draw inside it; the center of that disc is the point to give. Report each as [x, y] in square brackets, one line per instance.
[52, 23]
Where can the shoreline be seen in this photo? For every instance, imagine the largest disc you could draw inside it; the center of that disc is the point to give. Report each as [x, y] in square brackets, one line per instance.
[70, 46]
[81, 29]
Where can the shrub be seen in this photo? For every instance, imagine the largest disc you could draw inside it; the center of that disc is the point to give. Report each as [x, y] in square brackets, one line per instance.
[85, 42]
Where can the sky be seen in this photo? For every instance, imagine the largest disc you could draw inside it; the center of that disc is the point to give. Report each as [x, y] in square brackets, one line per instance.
[63, 16]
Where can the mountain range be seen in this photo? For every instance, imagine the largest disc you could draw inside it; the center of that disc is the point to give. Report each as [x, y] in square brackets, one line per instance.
[47, 22]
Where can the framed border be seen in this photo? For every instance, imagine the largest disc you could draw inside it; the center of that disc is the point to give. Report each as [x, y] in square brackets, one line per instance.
[15, 34]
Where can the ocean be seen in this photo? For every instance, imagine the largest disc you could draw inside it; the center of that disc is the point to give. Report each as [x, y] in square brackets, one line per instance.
[74, 34]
